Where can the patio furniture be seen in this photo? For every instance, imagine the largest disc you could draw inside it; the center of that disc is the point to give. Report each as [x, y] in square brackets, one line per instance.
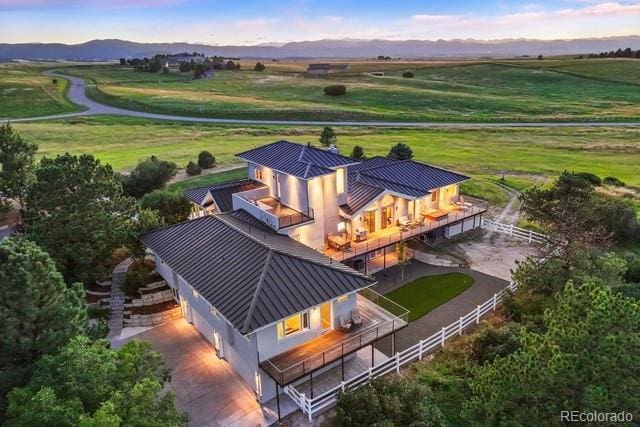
[355, 317]
[339, 243]
[403, 221]
[361, 234]
[435, 214]
[344, 325]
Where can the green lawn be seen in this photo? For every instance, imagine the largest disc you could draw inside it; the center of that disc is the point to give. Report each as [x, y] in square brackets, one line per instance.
[24, 92]
[516, 90]
[428, 292]
[524, 155]
[210, 179]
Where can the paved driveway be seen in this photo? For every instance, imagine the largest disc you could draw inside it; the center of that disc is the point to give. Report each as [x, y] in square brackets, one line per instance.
[205, 387]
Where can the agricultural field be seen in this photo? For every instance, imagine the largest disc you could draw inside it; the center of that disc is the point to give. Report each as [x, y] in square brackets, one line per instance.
[549, 90]
[524, 156]
[25, 92]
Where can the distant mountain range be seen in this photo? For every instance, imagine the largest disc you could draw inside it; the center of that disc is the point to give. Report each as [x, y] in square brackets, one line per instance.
[344, 48]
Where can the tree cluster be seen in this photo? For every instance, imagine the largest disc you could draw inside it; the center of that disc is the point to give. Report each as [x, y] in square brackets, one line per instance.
[620, 53]
[335, 90]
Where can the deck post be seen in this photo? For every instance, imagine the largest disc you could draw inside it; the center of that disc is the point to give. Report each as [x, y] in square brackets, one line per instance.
[393, 343]
[311, 383]
[372, 350]
[342, 361]
[277, 399]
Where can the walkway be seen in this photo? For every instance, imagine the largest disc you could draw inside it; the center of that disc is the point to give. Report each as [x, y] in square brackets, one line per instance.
[116, 302]
[77, 96]
[482, 289]
[205, 387]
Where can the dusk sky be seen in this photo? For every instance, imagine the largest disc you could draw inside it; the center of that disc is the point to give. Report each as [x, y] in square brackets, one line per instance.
[253, 21]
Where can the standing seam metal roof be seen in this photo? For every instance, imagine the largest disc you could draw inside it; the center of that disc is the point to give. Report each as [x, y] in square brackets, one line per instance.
[252, 276]
[299, 160]
[221, 193]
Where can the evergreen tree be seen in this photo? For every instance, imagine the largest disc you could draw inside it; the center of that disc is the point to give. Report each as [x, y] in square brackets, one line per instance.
[38, 312]
[16, 163]
[357, 153]
[328, 137]
[400, 151]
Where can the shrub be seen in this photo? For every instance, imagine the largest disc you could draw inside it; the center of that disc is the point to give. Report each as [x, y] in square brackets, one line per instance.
[259, 67]
[98, 330]
[54, 81]
[388, 401]
[96, 311]
[407, 75]
[171, 207]
[335, 90]
[206, 160]
[139, 274]
[150, 174]
[357, 153]
[589, 177]
[400, 151]
[193, 169]
[610, 180]
[492, 342]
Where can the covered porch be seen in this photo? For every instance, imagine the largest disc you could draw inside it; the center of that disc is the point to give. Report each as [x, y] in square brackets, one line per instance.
[380, 317]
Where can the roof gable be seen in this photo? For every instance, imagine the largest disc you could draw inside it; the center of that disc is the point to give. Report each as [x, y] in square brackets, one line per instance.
[299, 160]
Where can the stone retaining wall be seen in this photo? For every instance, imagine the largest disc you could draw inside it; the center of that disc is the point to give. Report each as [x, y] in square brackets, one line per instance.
[153, 319]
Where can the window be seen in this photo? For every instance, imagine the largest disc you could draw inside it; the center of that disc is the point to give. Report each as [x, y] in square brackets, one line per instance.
[340, 184]
[434, 195]
[293, 324]
[258, 173]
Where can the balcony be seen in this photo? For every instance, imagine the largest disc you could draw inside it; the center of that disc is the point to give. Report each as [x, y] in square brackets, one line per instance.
[270, 210]
[394, 234]
[380, 317]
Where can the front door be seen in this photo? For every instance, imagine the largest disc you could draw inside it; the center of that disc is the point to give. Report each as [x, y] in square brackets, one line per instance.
[370, 221]
[387, 217]
[325, 316]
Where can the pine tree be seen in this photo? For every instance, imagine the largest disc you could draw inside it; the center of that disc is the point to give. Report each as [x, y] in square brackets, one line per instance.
[38, 312]
[328, 136]
[357, 153]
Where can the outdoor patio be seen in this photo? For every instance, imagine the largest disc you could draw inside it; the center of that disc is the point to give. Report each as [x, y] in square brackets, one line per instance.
[333, 345]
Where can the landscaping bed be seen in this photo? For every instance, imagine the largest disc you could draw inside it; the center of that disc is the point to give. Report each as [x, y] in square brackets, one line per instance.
[429, 292]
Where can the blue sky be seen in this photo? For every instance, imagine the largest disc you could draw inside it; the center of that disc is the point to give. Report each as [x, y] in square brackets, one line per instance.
[260, 21]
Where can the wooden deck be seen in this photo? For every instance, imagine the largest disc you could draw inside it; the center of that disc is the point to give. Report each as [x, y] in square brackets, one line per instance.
[331, 346]
[391, 235]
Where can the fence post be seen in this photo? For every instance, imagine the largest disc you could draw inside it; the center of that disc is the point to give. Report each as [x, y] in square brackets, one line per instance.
[309, 410]
[420, 350]
[511, 230]
[342, 386]
[398, 363]
[478, 314]
[495, 301]
[442, 339]
[530, 236]
[460, 327]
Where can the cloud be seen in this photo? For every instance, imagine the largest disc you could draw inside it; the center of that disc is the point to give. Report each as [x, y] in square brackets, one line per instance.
[95, 4]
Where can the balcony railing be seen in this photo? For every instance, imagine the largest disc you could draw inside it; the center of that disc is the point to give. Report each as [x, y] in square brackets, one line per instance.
[372, 244]
[395, 317]
[295, 218]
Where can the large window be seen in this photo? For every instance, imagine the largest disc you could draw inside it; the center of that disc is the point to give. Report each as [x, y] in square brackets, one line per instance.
[340, 184]
[293, 324]
[258, 173]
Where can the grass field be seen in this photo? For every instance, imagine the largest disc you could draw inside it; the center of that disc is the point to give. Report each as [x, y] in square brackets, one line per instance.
[429, 292]
[524, 155]
[209, 179]
[552, 90]
[24, 92]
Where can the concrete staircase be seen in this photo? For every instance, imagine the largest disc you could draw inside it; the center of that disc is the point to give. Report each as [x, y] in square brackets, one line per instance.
[116, 306]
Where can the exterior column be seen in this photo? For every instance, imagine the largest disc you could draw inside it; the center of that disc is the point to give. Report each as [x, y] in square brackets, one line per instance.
[277, 398]
[311, 383]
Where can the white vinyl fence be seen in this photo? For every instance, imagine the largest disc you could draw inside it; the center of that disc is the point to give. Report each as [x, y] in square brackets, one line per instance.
[513, 231]
[312, 407]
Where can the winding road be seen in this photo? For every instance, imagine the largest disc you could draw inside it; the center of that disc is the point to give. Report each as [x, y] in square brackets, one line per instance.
[77, 95]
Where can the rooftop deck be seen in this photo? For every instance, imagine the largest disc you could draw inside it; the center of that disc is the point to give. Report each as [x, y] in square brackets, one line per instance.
[270, 210]
[394, 234]
[380, 317]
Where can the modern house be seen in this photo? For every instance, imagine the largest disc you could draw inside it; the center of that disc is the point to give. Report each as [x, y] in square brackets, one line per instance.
[274, 269]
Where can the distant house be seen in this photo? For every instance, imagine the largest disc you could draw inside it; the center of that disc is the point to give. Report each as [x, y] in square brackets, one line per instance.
[175, 60]
[318, 69]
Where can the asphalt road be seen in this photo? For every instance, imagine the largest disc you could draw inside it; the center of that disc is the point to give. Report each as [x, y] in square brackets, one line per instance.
[77, 96]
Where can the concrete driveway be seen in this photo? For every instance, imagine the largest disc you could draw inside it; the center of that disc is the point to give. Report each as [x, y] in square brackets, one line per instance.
[204, 386]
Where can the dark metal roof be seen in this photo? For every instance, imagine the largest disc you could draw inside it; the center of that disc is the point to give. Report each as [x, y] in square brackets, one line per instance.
[299, 160]
[252, 276]
[360, 195]
[409, 177]
[221, 193]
